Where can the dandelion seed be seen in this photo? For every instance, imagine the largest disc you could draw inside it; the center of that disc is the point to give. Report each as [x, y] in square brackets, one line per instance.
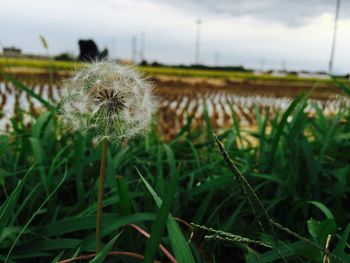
[109, 98]
[115, 102]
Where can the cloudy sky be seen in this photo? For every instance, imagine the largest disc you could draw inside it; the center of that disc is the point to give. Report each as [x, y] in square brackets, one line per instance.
[255, 33]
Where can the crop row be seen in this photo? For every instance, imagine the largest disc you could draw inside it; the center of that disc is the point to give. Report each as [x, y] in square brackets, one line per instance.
[176, 105]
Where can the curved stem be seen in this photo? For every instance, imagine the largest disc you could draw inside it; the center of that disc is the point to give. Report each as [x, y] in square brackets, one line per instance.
[122, 253]
[102, 179]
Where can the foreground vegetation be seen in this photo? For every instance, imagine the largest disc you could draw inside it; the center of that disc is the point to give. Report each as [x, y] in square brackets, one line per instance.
[291, 192]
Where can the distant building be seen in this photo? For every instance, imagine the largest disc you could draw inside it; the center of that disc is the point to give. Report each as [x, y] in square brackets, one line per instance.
[310, 75]
[278, 73]
[11, 52]
[259, 72]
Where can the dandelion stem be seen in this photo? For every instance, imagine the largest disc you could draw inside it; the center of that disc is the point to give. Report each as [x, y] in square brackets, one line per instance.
[100, 195]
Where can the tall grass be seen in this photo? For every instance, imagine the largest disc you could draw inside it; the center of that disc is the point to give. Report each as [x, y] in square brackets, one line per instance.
[298, 168]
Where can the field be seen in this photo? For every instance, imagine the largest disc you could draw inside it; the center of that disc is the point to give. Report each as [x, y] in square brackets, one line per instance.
[275, 190]
[42, 65]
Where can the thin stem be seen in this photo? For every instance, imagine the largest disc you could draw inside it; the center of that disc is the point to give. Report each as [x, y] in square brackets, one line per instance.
[116, 253]
[102, 179]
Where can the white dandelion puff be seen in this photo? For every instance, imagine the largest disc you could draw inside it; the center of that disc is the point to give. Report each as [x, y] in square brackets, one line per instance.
[112, 99]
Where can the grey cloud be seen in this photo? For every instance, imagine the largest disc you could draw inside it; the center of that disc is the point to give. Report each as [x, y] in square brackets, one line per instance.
[287, 12]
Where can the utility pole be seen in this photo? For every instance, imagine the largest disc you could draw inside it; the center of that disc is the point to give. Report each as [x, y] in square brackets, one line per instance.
[217, 58]
[283, 65]
[113, 53]
[198, 40]
[133, 48]
[262, 64]
[142, 45]
[330, 68]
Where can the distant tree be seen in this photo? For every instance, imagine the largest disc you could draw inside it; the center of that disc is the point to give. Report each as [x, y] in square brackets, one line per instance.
[322, 72]
[156, 64]
[64, 57]
[104, 54]
[144, 63]
[293, 73]
[89, 51]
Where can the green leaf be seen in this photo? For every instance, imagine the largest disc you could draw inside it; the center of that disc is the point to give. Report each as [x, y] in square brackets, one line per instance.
[207, 122]
[100, 257]
[180, 246]
[35, 214]
[58, 257]
[7, 208]
[40, 123]
[292, 250]
[320, 230]
[252, 256]
[40, 157]
[323, 208]
[21, 86]
[112, 225]
[111, 222]
[163, 214]
[345, 88]
[343, 242]
[46, 245]
[124, 196]
[282, 124]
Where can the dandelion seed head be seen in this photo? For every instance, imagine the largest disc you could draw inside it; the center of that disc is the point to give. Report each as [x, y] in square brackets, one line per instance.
[112, 99]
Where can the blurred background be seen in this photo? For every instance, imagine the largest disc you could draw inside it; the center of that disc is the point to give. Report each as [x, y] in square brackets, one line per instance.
[259, 35]
[246, 54]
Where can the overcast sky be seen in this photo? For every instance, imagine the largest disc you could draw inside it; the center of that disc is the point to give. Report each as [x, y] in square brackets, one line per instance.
[255, 33]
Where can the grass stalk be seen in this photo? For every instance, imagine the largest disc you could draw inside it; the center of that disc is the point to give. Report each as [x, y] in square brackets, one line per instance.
[102, 179]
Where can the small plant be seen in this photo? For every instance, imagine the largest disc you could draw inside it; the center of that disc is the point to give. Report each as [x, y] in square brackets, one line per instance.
[115, 102]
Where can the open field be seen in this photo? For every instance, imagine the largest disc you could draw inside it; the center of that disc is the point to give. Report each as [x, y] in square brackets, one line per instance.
[182, 98]
[290, 196]
[41, 65]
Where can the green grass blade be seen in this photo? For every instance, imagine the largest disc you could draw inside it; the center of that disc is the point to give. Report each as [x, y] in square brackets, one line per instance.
[35, 214]
[282, 124]
[323, 208]
[180, 246]
[38, 151]
[345, 88]
[124, 196]
[21, 86]
[100, 257]
[7, 208]
[58, 257]
[343, 242]
[40, 123]
[163, 214]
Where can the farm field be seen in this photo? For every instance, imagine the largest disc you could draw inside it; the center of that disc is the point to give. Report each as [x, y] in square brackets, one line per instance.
[182, 96]
[287, 199]
[42, 65]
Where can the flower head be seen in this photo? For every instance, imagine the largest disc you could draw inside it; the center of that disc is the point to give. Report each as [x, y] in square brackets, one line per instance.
[111, 99]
